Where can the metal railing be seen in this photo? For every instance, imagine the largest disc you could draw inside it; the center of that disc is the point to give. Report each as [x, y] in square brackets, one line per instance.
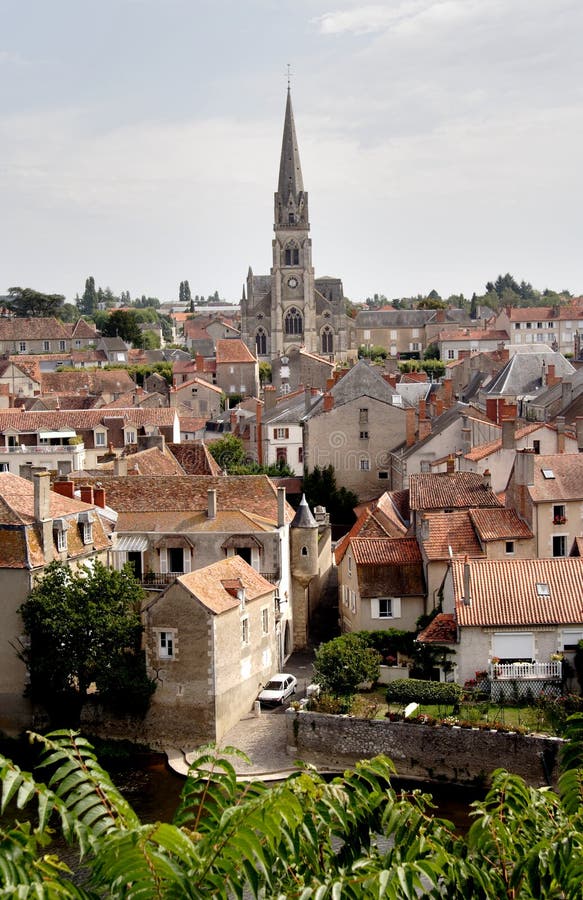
[43, 448]
[272, 577]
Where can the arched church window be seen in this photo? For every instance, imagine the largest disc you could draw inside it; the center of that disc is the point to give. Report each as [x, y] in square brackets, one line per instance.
[292, 254]
[261, 342]
[291, 218]
[327, 340]
[294, 323]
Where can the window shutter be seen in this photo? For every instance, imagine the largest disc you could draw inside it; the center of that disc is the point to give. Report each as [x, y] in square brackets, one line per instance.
[517, 645]
[186, 559]
[163, 560]
[374, 608]
[396, 607]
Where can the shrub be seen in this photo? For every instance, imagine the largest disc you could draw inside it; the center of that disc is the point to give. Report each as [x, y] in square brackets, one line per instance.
[413, 690]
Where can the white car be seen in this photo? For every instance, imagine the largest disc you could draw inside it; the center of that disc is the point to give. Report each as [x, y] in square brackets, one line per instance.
[278, 689]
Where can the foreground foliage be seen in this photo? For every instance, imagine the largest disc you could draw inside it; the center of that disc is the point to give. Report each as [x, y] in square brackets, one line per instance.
[352, 838]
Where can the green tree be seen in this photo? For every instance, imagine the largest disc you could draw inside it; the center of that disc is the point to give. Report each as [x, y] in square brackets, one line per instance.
[321, 489]
[228, 451]
[27, 303]
[304, 838]
[123, 324]
[343, 663]
[88, 302]
[431, 303]
[150, 340]
[84, 628]
[264, 373]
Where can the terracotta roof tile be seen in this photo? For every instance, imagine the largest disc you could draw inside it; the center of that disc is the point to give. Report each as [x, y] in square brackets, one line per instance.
[208, 584]
[566, 482]
[499, 524]
[385, 551]
[504, 592]
[195, 458]
[440, 490]
[32, 329]
[453, 529]
[233, 351]
[84, 419]
[441, 630]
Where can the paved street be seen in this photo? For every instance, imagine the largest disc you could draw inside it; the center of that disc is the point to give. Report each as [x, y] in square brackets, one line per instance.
[262, 737]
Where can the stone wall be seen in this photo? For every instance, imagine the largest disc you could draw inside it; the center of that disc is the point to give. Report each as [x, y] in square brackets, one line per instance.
[460, 755]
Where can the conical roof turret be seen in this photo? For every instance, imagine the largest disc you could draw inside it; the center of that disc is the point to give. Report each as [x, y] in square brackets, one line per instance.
[303, 517]
[290, 170]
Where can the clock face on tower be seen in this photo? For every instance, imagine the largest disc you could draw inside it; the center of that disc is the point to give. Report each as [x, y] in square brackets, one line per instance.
[292, 282]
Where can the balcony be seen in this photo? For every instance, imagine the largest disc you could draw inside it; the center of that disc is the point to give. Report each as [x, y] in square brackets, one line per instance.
[158, 579]
[544, 670]
[559, 520]
[44, 448]
[524, 681]
[272, 577]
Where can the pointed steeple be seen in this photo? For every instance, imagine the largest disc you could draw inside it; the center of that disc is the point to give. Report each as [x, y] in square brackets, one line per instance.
[290, 170]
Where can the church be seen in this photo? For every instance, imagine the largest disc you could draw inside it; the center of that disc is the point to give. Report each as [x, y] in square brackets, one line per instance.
[290, 308]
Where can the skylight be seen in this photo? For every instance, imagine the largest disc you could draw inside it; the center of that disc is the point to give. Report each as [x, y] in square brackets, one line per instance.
[543, 590]
[548, 473]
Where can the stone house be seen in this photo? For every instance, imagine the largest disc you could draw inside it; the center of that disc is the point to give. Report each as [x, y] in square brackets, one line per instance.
[116, 350]
[237, 369]
[37, 526]
[300, 368]
[202, 397]
[381, 584]
[282, 432]
[18, 380]
[455, 343]
[525, 376]
[211, 643]
[354, 426]
[547, 492]
[514, 611]
[404, 331]
[555, 326]
[69, 440]
[43, 335]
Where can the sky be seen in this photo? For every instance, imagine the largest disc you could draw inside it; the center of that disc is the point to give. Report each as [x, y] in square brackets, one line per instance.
[441, 142]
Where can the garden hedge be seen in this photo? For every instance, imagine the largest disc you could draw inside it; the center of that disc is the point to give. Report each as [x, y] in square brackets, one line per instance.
[414, 690]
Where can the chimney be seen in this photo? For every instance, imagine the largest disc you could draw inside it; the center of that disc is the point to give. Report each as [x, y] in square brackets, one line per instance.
[330, 382]
[42, 496]
[86, 493]
[314, 392]
[467, 598]
[410, 426]
[466, 435]
[552, 378]
[42, 512]
[65, 488]
[99, 497]
[440, 316]
[424, 429]
[422, 408]
[392, 379]
[269, 396]
[328, 402]
[492, 409]
[120, 467]
[508, 434]
[487, 479]
[450, 465]
[199, 362]
[233, 420]
[524, 467]
[212, 503]
[424, 528]
[560, 434]
[259, 427]
[438, 406]
[280, 507]
[447, 392]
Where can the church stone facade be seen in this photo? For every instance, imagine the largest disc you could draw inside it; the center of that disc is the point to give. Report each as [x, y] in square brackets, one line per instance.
[290, 307]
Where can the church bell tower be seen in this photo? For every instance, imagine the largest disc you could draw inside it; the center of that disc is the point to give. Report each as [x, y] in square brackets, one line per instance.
[293, 312]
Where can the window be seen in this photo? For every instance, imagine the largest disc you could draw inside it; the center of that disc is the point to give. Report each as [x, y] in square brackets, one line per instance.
[559, 545]
[393, 336]
[383, 474]
[87, 533]
[304, 551]
[265, 620]
[539, 325]
[61, 540]
[385, 607]
[245, 630]
[363, 416]
[451, 354]
[166, 644]
[364, 435]
[47, 346]
[366, 335]
[281, 454]
[77, 345]
[261, 342]
[543, 589]
[548, 473]
[568, 325]
[517, 325]
[175, 559]
[243, 388]
[415, 332]
[349, 564]
[513, 646]
[352, 602]
[529, 324]
[100, 439]
[292, 255]
[300, 454]
[291, 219]
[364, 465]
[130, 437]
[4, 467]
[559, 514]
[327, 340]
[509, 548]
[294, 323]
[62, 345]
[22, 346]
[281, 434]
[536, 447]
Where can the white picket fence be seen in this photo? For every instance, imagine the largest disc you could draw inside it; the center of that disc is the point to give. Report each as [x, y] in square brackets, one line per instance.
[544, 670]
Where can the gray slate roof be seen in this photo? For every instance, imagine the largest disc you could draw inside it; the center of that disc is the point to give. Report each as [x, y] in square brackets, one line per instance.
[360, 381]
[523, 373]
[303, 517]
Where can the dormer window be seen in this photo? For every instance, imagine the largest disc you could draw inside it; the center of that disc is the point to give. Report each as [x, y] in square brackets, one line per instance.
[86, 522]
[60, 528]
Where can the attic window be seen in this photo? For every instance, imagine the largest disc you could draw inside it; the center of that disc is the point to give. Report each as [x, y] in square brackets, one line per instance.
[543, 589]
[548, 473]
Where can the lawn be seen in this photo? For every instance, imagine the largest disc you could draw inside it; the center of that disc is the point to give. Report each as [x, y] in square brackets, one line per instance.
[372, 705]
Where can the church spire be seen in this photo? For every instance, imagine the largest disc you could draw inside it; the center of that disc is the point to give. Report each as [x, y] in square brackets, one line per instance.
[290, 170]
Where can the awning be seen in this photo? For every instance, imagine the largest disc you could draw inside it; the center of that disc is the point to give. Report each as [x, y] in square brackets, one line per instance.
[241, 540]
[65, 433]
[131, 543]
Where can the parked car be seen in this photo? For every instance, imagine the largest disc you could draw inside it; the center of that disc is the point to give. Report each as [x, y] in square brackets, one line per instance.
[278, 689]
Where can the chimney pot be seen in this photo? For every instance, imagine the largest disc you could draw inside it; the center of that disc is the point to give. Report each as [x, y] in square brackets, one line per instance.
[212, 503]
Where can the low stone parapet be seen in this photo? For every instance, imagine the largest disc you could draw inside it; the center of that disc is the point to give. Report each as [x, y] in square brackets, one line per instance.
[428, 752]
